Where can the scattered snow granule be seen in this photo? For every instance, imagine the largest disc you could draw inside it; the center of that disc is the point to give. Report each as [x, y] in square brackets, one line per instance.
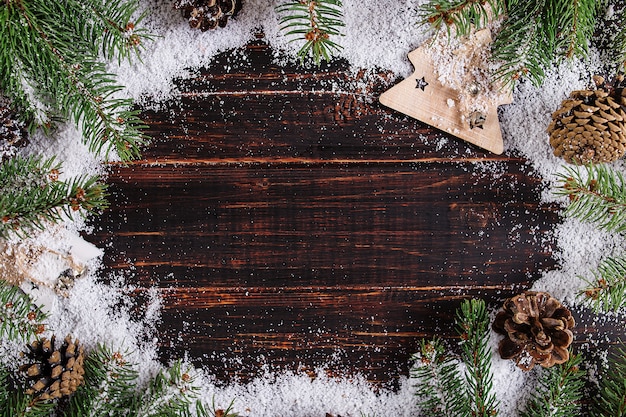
[377, 37]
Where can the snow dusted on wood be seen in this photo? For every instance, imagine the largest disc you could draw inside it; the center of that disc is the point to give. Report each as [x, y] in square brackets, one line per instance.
[378, 36]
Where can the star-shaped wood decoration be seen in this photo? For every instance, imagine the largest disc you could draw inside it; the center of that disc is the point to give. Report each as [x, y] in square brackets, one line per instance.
[421, 83]
[435, 105]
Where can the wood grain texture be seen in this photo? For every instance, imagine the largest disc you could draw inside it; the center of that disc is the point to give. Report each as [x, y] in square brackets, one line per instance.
[292, 222]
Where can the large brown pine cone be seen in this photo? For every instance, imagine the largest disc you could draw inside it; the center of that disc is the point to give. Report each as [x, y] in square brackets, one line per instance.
[208, 14]
[54, 373]
[537, 329]
[590, 126]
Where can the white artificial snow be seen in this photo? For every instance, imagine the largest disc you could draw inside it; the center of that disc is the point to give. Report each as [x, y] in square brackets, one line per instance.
[378, 36]
[177, 49]
[67, 147]
[582, 247]
[288, 394]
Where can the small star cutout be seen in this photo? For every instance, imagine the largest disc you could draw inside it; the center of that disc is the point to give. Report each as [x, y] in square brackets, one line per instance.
[421, 83]
[477, 119]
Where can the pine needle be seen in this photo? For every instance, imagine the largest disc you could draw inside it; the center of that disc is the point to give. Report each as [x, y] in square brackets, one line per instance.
[612, 397]
[315, 22]
[214, 411]
[170, 393]
[439, 387]
[607, 290]
[463, 15]
[473, 326]
[109, 387]
[31, 195]
[559, 391]
[533, 37]
[21, 405]
[51, 68]
[597, 195]
[20, 318]
[576, 21]
[4, 387]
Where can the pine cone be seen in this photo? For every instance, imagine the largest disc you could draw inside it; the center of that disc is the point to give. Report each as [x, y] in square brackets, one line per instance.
[208, 14]
[54, 373]
[590, 126]
[12, 133]
[537, 329]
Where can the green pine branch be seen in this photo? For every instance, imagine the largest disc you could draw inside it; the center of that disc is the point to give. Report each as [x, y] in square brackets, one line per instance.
[576, 19]
[170, 393]
[612, 397]
[21, 405]
[534, 35]
[20, 318]
[442, 389]
[473, 326]
[520, 47]
[597, 195]
[213, 411]
[462, 15]
[109, 388]
[439, 389]
[559, 391]
[607, 290]
[31, 195]
[315, 22]
[120, 35]
[51, 68]
[537, 35]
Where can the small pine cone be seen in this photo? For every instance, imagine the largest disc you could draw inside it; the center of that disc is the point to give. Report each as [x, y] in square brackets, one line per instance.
[590, 126]
[54, 373]
[12, 133]
[208, 14]
[537, 329]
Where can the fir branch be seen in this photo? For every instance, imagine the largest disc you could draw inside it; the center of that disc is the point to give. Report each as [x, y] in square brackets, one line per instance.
[537, 35]
[439, 385]
[559, 391]
[315, 21]
[32, 195]
[534, 34]
[472, 325]
[120, 35]
[576, 22]
[202, 411]
[597, 197]
[20, 318]
[612, 397]
[463, 15]
[109, 387]
[170, 393]
[607, 290]
[521, 47]
[50, 68]
[21, 405]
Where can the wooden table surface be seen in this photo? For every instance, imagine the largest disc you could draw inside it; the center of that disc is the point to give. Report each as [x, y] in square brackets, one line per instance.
[293, 222]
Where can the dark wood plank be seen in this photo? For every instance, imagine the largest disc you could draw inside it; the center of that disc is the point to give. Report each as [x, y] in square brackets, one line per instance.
[291, 222]
[386, 223]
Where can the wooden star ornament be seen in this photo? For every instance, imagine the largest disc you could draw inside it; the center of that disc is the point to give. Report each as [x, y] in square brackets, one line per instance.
[452, 90]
